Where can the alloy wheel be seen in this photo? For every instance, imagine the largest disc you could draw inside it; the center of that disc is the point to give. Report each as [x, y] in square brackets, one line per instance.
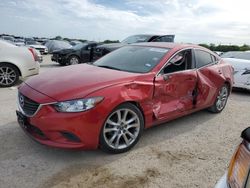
[74, 61]
[7, 76]
[222, 98]
[121, 129]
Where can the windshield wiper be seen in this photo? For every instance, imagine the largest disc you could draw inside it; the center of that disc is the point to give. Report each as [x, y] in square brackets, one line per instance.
[108, 67]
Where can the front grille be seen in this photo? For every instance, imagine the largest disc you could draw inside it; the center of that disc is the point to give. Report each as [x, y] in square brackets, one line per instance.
[28, 106]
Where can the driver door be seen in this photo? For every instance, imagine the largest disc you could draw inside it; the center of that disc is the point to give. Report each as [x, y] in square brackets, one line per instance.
[175, 86]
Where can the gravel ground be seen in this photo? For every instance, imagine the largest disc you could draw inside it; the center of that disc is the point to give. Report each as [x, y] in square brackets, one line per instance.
[192, 151]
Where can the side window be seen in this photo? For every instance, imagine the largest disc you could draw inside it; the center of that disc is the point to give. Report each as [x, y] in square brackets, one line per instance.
[181, 61]
[203, 58]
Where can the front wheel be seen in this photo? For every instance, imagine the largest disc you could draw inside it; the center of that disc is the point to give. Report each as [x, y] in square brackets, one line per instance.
[122, 129]
[221, 100]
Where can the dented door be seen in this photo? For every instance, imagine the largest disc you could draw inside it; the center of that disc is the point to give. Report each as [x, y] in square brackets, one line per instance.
[174, 93]
[210, 78]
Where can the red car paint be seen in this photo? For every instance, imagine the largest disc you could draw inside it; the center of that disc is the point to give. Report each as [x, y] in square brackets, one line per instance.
[159, 100]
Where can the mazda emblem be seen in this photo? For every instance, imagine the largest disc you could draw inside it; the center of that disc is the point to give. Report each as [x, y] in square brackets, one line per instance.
[21, 100]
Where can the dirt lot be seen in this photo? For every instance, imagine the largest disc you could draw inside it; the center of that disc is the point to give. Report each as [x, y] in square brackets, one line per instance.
[193, 151]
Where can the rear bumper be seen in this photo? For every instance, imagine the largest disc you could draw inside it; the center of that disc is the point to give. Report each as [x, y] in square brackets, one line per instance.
[29, 71]
[222, 183]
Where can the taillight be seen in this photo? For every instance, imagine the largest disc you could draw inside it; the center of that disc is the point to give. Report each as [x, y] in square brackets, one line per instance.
[34, 54]
[239, 167]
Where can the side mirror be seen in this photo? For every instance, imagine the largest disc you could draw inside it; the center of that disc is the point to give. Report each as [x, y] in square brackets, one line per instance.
[246, 134]
[163, 77]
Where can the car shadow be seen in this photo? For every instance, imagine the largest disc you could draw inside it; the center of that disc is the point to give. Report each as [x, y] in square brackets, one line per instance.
[11, 133]
[50, 65]
[171, 129]
[240, 91]
[19, 152]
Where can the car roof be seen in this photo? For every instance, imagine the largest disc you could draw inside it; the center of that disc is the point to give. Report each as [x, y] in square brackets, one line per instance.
[167, 45]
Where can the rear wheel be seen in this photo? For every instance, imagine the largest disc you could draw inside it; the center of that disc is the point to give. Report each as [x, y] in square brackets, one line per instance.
[73, 60]
[221, 100]
[9, 75]
[122, 129]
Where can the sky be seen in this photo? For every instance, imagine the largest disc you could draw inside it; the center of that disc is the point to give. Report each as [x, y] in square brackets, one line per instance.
[192, 21]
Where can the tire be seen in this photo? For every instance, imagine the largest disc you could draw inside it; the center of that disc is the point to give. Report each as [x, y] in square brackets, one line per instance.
[116, 135]
[73, 60]
[9, 75]
[221, 100]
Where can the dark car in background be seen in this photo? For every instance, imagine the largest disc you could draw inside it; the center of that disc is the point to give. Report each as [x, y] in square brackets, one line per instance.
[104, 49]
[80, 53]
[54, 45]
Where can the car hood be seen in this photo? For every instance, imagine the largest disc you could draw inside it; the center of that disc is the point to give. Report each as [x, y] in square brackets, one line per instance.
[112, 46]
[77, 81]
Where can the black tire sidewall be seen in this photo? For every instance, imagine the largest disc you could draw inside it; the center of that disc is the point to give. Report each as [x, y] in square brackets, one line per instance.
[104, 146]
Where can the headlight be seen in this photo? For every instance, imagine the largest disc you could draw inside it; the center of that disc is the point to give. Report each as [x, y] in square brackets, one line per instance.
[78, 105]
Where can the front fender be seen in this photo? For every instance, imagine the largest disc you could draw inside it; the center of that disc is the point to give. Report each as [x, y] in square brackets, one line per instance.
[138, 92]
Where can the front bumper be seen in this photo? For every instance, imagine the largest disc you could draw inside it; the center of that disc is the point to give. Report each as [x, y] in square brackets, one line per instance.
[222, 183]
[63, 130]
[59, 59]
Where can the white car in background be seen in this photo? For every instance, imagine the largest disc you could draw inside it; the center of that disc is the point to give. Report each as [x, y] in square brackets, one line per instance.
[41, 48]
[16, 62]
[241, 64]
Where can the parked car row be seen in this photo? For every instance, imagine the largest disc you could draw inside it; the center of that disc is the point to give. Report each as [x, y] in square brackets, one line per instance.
[91, 51]
[104, 49]
[80, 53]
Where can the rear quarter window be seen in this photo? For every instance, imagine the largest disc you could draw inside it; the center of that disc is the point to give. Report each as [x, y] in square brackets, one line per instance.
[203, 58]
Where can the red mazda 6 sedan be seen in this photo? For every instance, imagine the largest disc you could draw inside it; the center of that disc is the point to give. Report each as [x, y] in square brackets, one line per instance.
[109, 103]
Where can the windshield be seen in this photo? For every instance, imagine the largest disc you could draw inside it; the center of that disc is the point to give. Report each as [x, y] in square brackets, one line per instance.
[136, 39]
[237, 55]
[138, 59]
[79, 46]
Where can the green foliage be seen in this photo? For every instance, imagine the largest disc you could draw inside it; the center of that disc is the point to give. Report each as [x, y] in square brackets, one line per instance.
[226, 48]
[58, 38]
[111, 41]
